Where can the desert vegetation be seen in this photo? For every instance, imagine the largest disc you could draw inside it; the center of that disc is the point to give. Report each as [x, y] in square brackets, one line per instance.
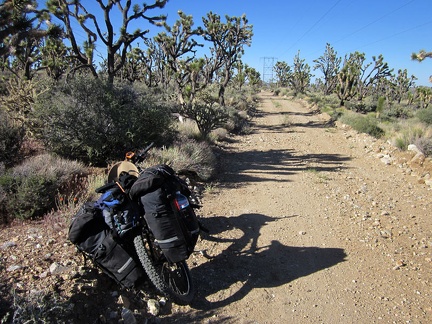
[369, 96]
[61, 108]
[66, 116]
[60, 105]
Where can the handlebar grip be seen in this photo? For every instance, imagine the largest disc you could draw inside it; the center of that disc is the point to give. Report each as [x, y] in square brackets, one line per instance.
[130, 156]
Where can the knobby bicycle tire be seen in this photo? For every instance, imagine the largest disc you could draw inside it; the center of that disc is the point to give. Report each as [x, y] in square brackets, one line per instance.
[172, 280]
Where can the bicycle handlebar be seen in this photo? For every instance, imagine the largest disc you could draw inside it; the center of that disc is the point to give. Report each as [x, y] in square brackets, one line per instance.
[139, 156]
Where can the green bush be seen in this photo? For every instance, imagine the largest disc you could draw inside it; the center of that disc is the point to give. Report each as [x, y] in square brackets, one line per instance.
[30, 189]
[363, 124]
[425, 116]
[359, 106]
[401, 143]
[30, 196]
[208, 116]
[396, 111]
[95, 122]
[322, 100]
[380, 105]
[11, 139]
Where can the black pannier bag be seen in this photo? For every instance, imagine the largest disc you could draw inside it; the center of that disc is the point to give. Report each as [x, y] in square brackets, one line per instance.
[176, 232]
[92, 236]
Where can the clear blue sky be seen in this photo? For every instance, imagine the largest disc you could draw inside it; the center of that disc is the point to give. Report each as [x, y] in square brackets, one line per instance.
[393, 28]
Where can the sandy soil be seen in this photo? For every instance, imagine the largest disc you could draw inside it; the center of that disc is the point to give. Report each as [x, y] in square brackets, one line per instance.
[309, 223]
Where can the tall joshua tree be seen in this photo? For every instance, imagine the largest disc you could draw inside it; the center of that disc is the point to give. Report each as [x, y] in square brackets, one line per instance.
[228, 40]
[329, 65]
[100, 27]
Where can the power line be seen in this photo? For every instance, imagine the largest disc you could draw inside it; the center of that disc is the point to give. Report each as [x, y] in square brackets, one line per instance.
[313, 26]
[373, 22]
[397, 34]
[268, 68]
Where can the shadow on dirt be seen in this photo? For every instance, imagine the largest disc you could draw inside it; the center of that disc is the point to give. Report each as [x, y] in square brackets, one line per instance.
[288, 127]
[244, 265]
[250, 166]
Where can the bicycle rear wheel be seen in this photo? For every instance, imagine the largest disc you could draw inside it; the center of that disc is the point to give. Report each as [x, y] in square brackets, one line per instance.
[173, 280]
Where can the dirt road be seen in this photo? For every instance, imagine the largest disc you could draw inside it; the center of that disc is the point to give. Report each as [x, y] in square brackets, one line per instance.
[312, 224]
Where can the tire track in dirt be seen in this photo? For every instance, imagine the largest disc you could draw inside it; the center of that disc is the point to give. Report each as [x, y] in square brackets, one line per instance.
[308, 226]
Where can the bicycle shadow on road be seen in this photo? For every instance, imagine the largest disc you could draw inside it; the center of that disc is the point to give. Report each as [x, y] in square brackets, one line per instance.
[240, 168]
[244, 265]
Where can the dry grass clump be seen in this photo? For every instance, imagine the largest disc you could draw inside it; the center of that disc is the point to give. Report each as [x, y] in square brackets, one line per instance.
[186, 156]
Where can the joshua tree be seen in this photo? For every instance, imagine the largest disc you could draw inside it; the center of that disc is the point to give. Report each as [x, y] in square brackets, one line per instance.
[370, 77]
[348, 77]
[329, 65]
[420, 56]
[179, 45]
[283, 73]
[228, 41]
[300, 78]
[21, 36]
[102, 29]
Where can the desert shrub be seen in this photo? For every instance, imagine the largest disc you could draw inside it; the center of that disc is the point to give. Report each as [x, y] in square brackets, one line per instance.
[219, 135]
[208, 116]
[396, 111]
[18, 98]
[425, 116]
[241, 105]
[334, 114]
[408, 135]
[286, 121]
[189, 129]
[324, 103]
[400, 143]
[69, 202]
[185, 156]
[30, 196]
[364, 106]
[245, 99]
[315, 99]
[95, 122]
[32, 187]
[11, 139]
[424, 144]
[286, 92]
[237, 120]
[3, 199]
[332, 100]
[328, 104]
[38, 306]
[363, 124]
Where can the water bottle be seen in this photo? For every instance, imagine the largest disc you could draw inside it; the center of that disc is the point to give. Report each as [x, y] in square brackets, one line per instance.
[127, 316]
[181, 201]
